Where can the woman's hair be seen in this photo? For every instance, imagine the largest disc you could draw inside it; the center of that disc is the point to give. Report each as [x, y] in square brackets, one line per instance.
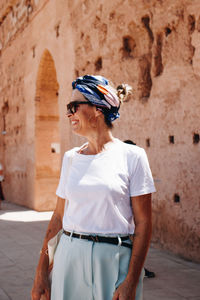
[108, 122]
[123, 91]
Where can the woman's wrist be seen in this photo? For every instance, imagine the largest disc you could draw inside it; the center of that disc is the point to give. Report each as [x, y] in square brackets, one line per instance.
[43, 264]
[133, 275]
[42, 272]
[132, 281]
[44, 251]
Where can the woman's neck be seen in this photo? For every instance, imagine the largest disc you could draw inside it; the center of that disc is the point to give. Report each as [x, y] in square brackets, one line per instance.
[97, 141]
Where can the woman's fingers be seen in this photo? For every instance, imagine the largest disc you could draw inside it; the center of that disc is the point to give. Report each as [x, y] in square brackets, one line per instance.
[37, 296]
[39, 293]
[47, 294]
[43, 297]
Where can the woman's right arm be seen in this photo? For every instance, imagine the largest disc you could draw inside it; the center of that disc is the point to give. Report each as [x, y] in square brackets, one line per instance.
[41, 283]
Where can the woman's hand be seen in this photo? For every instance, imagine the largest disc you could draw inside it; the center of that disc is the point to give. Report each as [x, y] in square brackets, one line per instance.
[41, 284]
[41, 287]
[125, 292]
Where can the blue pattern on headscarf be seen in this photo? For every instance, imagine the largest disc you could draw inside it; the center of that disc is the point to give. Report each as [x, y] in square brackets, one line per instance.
[87, 85]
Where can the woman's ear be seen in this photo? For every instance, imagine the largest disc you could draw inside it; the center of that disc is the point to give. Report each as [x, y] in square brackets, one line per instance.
[98, 112]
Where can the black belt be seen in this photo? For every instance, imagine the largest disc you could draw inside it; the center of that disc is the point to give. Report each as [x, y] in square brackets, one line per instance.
[101, 239]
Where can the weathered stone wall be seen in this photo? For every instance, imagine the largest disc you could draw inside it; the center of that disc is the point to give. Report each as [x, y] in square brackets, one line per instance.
[152, 45]
[23, 75]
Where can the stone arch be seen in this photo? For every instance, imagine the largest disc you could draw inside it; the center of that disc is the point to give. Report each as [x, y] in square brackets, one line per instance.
[47, 138]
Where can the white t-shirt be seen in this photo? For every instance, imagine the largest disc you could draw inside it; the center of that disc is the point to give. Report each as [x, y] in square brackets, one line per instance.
[98, 188]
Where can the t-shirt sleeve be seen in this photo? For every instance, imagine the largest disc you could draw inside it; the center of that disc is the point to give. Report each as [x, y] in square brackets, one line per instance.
[60, 192]
[141, 180]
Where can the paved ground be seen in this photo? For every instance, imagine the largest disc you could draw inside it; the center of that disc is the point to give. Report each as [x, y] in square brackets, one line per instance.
[21, 234]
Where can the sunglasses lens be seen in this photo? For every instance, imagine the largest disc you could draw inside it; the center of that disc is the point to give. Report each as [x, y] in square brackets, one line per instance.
[69, 112]
[71, 108]
[75, 106]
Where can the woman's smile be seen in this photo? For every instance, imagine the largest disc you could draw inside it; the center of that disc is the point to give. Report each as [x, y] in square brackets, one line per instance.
[74, 122]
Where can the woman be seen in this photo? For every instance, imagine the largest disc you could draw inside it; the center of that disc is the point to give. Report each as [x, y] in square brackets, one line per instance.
[104, 206]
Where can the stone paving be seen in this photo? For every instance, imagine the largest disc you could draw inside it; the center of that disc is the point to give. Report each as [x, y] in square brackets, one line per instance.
[21, 234]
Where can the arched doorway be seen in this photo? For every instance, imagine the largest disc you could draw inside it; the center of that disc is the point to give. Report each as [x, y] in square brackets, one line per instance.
[47, 139]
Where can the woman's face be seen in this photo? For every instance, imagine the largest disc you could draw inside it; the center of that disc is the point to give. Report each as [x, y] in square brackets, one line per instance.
[84, 117]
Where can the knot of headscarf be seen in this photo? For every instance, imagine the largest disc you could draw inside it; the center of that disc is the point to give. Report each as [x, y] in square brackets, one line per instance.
[97, 90]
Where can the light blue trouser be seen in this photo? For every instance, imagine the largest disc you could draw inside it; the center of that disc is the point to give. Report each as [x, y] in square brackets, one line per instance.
[84, 270]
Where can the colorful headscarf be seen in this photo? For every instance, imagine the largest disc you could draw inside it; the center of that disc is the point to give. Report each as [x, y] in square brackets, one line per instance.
[97, 90]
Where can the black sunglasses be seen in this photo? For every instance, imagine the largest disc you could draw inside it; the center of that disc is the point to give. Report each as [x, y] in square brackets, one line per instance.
[73, 106]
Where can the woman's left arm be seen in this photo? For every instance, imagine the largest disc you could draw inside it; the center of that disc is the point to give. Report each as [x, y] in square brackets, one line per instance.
[141, 206]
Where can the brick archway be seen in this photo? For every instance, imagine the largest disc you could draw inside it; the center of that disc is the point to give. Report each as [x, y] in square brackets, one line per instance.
[47, 139]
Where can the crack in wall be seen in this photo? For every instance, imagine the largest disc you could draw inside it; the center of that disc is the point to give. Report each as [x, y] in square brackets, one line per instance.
[146, 21]
[145, 64]
[129, 45]
[158, 65]
[144, 81]
[191, 29]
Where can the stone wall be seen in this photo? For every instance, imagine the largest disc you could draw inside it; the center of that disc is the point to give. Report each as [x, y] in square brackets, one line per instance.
[152, 45]
[26, 71]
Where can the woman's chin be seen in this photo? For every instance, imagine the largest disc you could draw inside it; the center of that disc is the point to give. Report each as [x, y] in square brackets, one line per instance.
[74, 127]
[77, 131]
